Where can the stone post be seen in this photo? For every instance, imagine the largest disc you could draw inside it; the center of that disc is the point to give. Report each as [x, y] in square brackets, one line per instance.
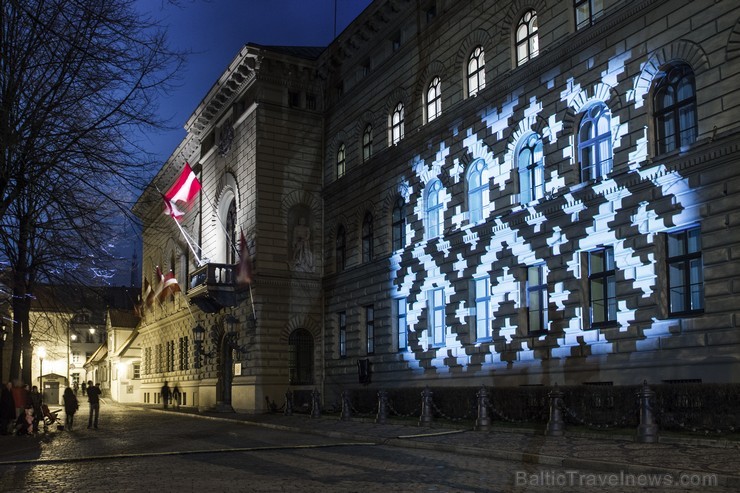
[483, 422]
[647, 431]
[346, 407]
[288, 411]
[382, 407]
[556, 425]
[315, 403]
[426, 407]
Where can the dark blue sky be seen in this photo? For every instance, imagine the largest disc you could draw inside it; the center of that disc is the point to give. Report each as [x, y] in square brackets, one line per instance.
[215, 30]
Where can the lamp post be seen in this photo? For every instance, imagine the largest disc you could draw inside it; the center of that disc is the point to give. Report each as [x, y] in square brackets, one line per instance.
[199, 335]
[3, 335]
[42, 355]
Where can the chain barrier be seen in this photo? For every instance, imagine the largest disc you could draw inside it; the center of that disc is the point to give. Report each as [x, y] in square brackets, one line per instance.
[361, 414]
[467, 414]
[393, 410]
[502, 416]
[621, 422]
[666, 418]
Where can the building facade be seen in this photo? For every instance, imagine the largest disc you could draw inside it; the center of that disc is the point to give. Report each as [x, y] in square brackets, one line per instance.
[504, 193]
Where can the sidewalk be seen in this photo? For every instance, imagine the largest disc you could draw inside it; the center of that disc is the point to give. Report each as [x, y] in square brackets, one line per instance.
[577, 450]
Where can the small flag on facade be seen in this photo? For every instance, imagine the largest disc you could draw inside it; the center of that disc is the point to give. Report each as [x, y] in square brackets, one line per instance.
[169, 286]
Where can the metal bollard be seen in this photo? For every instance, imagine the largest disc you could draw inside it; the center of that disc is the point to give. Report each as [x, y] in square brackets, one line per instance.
[346, 407]
[555, 425]
[647, 431]
[483, 422]
[382, 407]
[315, 403]
[288, 403]
[426, 408]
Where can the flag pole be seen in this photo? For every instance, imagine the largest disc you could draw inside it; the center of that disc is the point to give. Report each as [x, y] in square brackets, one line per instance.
[184, 235]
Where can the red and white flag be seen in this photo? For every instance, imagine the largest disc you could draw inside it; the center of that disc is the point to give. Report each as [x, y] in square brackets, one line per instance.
[148, 293]
[156, 294]
[185, 189]
[169, 286]
[244, 274]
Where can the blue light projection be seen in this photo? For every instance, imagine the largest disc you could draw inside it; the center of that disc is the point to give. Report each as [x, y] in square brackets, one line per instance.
[554, 231]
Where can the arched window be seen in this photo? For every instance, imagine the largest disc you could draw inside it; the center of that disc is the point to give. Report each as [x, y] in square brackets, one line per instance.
[300, 357]
[397, 124]
[477, 190]
[231, 232]
[398, 224]
[674, 103]
[531, 164]
[595, 142]
[434, 218]
[341, 249]
[434, 99]
[367, 238]
[367, 143]
[476, 71]
[340, 161]
[527, 43]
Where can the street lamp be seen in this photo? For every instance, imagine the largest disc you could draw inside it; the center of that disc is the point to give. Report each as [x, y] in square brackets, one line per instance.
[199, 335]
[42, 355]
[3, 335]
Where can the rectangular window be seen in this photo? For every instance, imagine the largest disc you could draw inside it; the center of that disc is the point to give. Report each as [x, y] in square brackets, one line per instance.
[310, 101]
[370, 329]
[342, 334]
[602, 287]
[437, 316]
[184, 354]
[587, 11]
[685, 272]
[396, 42]
[136, 371]
[536, 298]
[294, 99]
[401, 324]
[482, 290]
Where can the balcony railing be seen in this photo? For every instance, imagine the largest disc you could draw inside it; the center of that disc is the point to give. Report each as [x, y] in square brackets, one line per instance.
[212, 287]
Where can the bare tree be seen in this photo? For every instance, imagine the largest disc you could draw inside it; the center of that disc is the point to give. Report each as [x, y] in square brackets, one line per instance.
[78, 82]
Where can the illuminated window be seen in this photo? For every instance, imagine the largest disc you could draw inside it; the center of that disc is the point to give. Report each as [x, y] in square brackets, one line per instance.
[595, 142]
[340, 161]
[367, 238]
[536, 298]
[184, 353]
[341, 249]
[482, 289]
[437, 316]
[397, 124]
[476, 71]
[342, 334]
[434, 99]
[530, 161]
[685, 272]
[527, 43]
[367, 143]
[587, 11]
[477, 190]
[602, 287]
[300, 357]
[370, 328]
[136, 371]
[434, 218]
[398, 224]
[674, 103]
[401, 323]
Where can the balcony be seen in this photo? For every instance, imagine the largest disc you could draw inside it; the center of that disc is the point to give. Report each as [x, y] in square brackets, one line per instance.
[213, 287]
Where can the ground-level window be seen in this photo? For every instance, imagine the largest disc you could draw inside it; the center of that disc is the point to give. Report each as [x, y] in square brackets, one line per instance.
[300, 357]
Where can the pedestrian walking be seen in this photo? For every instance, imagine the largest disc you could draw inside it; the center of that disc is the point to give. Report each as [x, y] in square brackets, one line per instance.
[84, 388]
[93, 398]
[165, 392]
[176, 397]
[35, 400]
[7, 408]
[70, 407]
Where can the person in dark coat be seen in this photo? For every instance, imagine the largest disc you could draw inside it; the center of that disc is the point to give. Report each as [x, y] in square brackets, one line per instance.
[93, 398]
[7, 408]
[34, 398]
[70, 407]
[165, 391]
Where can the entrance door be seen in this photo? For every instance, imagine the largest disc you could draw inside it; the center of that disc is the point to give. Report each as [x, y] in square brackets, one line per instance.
[51, 393]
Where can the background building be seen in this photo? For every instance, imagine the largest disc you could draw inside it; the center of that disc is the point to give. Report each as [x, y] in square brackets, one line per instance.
[507, 193]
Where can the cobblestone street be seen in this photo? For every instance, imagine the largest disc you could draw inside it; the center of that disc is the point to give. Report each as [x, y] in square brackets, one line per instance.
[145, 449]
